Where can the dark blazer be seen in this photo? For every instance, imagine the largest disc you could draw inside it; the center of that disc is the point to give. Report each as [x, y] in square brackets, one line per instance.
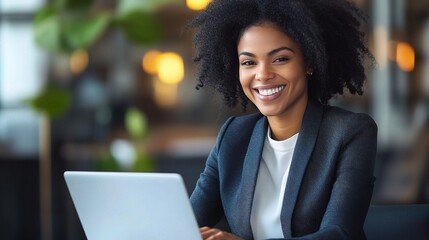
[330, 182]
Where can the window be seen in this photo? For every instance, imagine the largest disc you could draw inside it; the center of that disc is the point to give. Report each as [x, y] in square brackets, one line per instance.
[23, 69]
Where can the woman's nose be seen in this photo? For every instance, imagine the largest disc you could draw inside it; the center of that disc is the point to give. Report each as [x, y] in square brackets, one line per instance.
[264, 73]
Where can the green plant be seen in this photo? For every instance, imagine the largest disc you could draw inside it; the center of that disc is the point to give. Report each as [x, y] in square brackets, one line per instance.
[52, 101]
[63, 26]
[137, 128]
[67, 25]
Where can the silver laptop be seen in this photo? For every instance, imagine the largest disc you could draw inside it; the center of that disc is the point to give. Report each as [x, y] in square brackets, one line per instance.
[118, 205]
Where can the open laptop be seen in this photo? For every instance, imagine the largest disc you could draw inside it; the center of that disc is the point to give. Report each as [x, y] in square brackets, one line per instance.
[119, 205]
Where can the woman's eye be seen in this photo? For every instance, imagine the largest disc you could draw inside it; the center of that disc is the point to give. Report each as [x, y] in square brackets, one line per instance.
[247, 63]
[281, 59]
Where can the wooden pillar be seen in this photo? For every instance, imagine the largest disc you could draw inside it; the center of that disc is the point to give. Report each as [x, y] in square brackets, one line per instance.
[45, 178]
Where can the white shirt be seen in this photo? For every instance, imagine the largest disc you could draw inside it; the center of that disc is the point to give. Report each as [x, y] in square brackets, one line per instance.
[270, 187]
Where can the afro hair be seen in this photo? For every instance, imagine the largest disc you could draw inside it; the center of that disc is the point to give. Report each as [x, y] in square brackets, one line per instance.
[327, 31]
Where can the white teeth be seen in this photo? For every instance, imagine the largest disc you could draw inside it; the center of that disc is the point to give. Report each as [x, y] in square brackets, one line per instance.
[268, 92]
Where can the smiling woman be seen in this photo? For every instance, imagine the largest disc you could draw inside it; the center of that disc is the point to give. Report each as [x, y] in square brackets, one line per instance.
[299, 167]
[273, 74]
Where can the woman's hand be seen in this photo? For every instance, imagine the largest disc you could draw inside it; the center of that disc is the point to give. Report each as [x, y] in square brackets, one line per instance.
[216, 234]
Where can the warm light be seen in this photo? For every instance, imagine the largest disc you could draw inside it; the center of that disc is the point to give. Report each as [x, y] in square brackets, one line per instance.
[405, 56]
[150, 61]
[381, 46]
[78, 61]
[170, 68]
[197, 4]
[165, 94]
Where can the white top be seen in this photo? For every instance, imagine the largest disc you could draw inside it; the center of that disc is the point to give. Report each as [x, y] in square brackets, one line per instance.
[270, 187]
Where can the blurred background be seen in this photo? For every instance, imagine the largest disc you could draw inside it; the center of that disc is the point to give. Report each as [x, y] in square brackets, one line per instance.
[109, 85]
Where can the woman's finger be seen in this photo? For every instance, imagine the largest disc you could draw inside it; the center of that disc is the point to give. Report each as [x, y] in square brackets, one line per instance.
[207, 232]
[216, 234]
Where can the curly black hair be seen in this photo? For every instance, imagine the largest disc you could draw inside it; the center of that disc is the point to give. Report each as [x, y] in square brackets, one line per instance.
[327, 31]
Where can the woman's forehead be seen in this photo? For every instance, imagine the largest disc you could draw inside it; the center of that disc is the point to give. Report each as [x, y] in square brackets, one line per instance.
[264, 36]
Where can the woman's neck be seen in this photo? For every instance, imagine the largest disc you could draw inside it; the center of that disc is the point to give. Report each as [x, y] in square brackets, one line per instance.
[288, 124]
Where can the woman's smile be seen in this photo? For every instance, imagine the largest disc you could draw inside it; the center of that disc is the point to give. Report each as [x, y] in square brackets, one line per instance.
[268, 93]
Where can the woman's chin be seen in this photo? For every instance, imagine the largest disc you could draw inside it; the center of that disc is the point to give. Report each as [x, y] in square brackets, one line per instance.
[269, 112]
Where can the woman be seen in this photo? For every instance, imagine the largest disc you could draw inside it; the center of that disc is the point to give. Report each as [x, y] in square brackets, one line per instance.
[298, 168]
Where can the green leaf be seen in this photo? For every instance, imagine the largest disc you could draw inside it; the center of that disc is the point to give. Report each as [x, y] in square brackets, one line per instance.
[141, 27]
[143, 163]
[72, 4]
[81, 32]
[107, 162]
[136, 123]
[52, 101]
[127, 6]
[47, 29]
[43, 13]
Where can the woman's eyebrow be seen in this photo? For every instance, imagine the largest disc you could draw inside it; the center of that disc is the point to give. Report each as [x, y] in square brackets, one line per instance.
[247, 54]
[274, 51]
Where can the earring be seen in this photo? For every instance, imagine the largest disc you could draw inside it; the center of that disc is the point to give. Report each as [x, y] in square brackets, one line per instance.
[310, 73]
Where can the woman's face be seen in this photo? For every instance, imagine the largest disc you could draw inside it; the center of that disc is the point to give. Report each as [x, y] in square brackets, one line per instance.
[272, 71]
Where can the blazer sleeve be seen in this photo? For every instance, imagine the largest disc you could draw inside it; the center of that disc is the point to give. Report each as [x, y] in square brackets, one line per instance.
[206, 197]
[353, 187]
[354, 181]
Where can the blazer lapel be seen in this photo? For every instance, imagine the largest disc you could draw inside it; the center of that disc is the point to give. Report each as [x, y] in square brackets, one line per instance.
[302, 153]
[249, 176]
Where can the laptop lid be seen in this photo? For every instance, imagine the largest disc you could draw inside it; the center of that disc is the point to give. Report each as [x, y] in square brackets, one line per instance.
[119, 205]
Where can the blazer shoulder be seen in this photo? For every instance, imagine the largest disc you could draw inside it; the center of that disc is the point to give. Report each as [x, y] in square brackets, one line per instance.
[339, 118]
[238, 128]
[343, 116]
[241, 123]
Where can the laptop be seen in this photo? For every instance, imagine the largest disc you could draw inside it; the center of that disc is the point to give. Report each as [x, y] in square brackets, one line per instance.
[123, 205]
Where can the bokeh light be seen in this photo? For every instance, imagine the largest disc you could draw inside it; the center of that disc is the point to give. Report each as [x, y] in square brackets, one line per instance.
[79, 60]
[381, 46]
[165, 94]
[405, 56]
[150, 61]
[170, 68]
[123, 151]
[197, 4]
